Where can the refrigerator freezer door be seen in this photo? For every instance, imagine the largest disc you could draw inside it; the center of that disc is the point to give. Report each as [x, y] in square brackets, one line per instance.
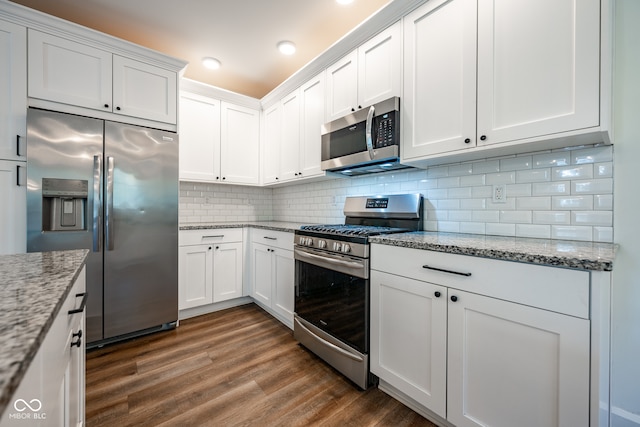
[66, 150]
[141, 248]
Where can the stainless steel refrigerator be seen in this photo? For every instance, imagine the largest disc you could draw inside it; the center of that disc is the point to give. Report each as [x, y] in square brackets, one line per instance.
[111, 188]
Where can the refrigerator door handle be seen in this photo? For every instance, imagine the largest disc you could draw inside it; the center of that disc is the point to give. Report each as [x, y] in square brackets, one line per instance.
[97, 202]
[109, 205]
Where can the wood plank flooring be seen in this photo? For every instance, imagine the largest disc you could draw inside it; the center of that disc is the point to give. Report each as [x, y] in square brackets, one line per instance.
[237, 367]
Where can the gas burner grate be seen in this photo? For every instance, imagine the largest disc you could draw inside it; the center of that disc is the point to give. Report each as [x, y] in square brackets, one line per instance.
[351, 230]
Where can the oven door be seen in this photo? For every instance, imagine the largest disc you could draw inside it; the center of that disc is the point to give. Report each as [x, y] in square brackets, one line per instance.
[332, 294]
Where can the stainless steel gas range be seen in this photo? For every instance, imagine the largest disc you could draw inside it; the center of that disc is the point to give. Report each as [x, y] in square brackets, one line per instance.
[332, 279]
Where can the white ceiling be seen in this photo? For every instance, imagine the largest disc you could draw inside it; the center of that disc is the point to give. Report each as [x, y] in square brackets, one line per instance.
[242, 34]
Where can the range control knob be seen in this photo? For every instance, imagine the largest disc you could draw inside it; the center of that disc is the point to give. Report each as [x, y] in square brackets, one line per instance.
[322, 244]
[309, 241]
[346, 248]
[337, 246]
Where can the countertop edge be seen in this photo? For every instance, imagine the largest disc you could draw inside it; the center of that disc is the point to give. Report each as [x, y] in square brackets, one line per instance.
[14, 382]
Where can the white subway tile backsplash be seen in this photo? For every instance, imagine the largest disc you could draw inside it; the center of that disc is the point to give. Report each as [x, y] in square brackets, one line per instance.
[516, 163]
[599, 218]
[569, 232]
[533, 231]
[533, 203]
[593, 186]
[550, 188]
[552, 217]
[572, 202]
[592, 155]
[603, 202]
[555, 158]
[572, 172]
[561, 194]
[533, 175]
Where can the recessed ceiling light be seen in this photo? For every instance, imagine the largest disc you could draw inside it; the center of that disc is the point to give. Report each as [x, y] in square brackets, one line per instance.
[287, 47]
[211, 63]
[344, 1]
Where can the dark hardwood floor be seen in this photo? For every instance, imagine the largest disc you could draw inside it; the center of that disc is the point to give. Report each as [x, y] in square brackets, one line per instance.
[237, 367]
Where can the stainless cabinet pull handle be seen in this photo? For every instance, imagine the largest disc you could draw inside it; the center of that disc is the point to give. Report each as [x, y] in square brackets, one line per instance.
[213, 237]
[446, 271]
[270, 238]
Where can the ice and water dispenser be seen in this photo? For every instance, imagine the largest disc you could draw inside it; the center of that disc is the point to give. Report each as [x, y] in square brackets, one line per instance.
[64, 204]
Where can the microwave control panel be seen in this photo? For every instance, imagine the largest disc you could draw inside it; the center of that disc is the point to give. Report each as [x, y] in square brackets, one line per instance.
[385, 131]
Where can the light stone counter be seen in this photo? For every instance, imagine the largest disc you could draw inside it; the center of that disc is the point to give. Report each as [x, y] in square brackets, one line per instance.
[557, 253]
[33, 287]
[268, 225]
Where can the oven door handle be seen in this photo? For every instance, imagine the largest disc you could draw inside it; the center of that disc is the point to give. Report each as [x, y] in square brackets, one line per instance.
[350, 264]
[331, 346]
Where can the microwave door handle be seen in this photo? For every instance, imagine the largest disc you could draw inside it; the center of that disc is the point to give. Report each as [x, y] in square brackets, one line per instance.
[368, 133]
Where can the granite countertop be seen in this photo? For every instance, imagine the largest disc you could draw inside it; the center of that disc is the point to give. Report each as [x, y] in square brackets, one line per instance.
[33, 287]
[268, 225]
[556, 253]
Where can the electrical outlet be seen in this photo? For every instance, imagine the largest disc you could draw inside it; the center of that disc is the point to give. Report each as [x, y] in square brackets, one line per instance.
[499, 193]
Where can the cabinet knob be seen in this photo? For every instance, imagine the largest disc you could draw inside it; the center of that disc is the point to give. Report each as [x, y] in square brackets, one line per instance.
[483, 137]
[118, 108]
[437, 294]
[353, 109]
[454, 298]
[217, 177]
[217, 247]
[359, 107]
[224, 177]
[468, 140]
[106, 105]
[209, 247]
[276, 178]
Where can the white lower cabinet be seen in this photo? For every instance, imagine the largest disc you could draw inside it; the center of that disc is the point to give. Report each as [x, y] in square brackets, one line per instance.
[478, 360]
[54, 384]
[272, 273]
[13, 217]
[209, 266]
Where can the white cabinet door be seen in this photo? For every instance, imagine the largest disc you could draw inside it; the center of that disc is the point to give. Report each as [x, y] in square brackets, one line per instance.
[342, 87]
[75, 370]
[13, 215]
[199, 138]
[511, 364]
[13, 91]
[270, 144]
[538, 72]
[240, 144]
[283, 283]
[380, 67]
[312, 117]
[145, 91]
[409, 337]
[439, 97]
[290, 142]
[262, 273]
[68, 72]
[195, 281]
[227, 271]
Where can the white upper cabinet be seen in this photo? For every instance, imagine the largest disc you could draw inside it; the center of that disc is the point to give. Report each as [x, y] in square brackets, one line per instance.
[199, 138]
[312, 112]
[13, 91]
[290, 137]
[270, 143]
[143, 90]
[68, 72]
[439, 99]
[538, 68]
[291, 134]
[526, 71]
[240, 144]
[367, 75]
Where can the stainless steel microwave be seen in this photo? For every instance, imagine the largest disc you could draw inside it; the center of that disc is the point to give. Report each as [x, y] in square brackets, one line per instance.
[365, 141]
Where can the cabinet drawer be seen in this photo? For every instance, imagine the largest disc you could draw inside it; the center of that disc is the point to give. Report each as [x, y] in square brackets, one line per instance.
[550, 288]
[214, 235]
[280, 239]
